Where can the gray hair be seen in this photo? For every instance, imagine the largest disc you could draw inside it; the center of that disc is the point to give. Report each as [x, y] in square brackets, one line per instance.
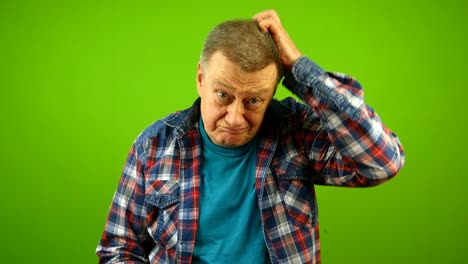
[243, 43]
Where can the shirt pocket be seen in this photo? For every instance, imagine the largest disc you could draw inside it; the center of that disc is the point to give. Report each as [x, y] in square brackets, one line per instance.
[163, 208]
[297, 191]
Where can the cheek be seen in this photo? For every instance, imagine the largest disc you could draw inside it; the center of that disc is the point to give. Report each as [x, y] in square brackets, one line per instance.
[255, 119]
[214, 118]
[211, 117]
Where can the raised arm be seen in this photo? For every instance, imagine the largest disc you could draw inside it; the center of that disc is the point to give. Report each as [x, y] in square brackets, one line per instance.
[351, 146]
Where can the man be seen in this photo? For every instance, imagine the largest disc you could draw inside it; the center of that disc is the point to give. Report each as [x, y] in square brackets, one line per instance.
[231, 179]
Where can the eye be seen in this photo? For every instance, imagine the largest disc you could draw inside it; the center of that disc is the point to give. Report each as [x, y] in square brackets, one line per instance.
[222, 95]
[223, 98]
[255, 103]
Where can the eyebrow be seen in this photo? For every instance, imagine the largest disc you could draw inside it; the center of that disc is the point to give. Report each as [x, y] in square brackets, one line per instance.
[253, 91]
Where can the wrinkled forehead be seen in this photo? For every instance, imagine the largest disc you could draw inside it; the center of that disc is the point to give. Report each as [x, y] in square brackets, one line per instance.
[219, 61]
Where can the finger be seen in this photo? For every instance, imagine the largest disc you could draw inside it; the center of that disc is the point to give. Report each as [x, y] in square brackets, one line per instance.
[267, 14]
[259, 15]
[271, 25]
[264, 25]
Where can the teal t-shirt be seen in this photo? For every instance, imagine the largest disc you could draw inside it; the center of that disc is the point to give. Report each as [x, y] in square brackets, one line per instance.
[230, 228]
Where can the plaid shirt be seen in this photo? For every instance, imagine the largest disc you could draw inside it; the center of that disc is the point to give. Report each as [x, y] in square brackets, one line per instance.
[333, 139]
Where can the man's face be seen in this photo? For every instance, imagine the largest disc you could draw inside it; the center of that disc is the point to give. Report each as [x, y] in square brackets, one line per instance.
[233, 102]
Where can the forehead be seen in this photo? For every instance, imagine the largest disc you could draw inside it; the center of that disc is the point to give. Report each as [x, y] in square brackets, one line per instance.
[251, 89]
[227, 74]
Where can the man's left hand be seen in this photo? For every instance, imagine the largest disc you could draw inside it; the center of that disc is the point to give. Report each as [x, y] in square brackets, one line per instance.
[269, 21]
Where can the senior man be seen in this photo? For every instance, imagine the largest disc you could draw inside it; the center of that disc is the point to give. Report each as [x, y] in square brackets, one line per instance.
[231, 179]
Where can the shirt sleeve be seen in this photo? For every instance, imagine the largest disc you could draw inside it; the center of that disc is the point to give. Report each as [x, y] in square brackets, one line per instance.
[125, 232]
[351, 146]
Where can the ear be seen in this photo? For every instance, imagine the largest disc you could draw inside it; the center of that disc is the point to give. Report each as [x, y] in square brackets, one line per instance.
[199, 78]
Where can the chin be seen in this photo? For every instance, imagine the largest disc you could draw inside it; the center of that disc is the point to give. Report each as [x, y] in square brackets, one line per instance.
[233, 142]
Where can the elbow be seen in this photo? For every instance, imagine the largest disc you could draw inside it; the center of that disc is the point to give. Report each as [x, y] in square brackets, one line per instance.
[394, 166]
[376, 175]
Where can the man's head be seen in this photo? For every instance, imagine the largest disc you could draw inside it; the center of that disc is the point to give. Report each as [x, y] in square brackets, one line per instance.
[244, 44]
[236, 80]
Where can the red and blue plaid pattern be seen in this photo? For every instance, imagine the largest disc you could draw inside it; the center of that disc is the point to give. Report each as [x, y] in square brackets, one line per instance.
[333, 139]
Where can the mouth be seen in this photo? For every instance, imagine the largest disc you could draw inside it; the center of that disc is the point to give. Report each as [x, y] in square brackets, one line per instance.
[234, 131]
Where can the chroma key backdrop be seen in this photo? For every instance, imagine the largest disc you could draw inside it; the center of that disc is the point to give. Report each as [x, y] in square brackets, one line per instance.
[80, 80]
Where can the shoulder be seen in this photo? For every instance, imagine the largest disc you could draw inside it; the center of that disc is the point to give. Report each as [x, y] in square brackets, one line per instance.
[293, 114]
[288, 108]
[158, 128]
[163, 133]
[173, 125]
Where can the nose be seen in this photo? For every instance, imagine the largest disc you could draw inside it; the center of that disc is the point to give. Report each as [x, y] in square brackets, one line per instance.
[235, 114]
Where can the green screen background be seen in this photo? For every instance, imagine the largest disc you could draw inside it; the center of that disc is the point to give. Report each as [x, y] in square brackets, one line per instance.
[80, 79]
